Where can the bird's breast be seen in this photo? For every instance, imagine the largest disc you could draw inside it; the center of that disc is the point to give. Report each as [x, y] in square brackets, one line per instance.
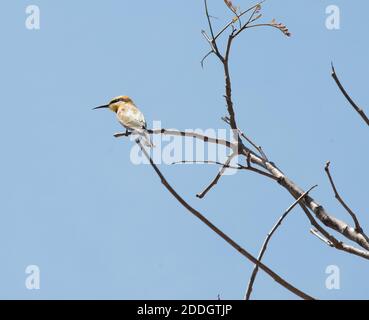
[130, 117]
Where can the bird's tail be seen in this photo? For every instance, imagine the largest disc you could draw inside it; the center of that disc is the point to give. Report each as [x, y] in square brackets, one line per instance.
[146, 139]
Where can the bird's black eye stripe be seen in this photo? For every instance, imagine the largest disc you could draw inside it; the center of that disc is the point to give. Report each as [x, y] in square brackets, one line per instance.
[117, 100]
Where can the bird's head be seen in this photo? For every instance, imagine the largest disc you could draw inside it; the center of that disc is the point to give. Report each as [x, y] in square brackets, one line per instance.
[115, 103]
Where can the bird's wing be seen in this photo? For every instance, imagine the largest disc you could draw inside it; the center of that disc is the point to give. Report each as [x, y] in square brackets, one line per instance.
[133, 118]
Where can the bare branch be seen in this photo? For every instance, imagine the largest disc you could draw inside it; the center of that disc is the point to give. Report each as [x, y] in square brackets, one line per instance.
[320, 237]
[234, 10]
[347, 96]
[252, 17]
[358, 227]
[239, 167]
[339, 245]
[319, 211]
[275, 174]
[263, 173]
[210, 41]
[281, 27]
[218, 176]
[306, 202]
[209, 162]
[258, 148]
[234, 20]
[267, 240]
[189, 134]
[220, 233]
[205, 57]
[213, 42]
[228, 94]
[208, 17]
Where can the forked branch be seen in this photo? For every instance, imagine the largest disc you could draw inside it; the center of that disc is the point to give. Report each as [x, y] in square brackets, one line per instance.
[358, 227]
[220, 233]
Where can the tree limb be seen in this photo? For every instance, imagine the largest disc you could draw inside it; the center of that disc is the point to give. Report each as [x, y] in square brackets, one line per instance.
[319, 211]
[220, 233]
[188, 134]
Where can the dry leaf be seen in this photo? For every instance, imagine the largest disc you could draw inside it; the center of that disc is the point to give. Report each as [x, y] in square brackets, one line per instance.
[231, 6]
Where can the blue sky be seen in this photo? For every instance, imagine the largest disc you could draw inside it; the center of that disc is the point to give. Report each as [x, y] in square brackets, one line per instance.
[99, 227]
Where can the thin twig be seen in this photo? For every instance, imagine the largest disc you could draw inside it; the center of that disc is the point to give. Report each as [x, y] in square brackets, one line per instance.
[267, 25]
[358, 227]
[220, 233]
[347, 96]
[267, 240]
[208, 162]
[210, 41]
[316, 233]
[208, 17]
[263, 173]
[240, 167]
[205, 57]
[213, 42]
[250, 20]
[232, 21]
[258, 148]
[218, 176]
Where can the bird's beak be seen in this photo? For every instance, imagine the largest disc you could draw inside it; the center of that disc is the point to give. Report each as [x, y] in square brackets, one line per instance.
[102, 107]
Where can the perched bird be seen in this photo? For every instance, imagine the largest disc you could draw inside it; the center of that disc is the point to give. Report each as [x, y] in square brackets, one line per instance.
[129, 116]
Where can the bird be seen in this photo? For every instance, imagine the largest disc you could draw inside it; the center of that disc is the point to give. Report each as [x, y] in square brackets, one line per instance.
[129, 116]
